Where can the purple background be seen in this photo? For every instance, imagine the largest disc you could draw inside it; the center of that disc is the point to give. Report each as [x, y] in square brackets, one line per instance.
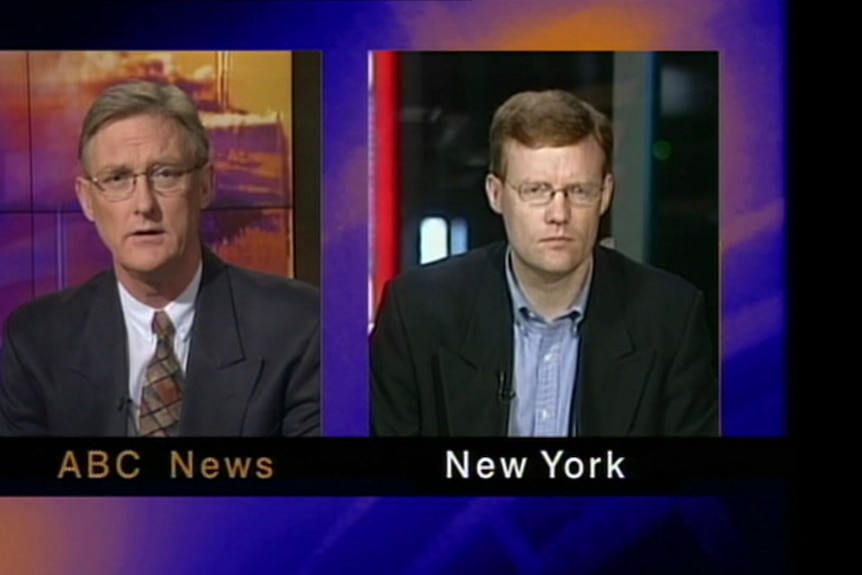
[741, 531]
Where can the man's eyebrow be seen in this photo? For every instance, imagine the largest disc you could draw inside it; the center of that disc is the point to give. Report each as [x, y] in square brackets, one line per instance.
[114, 168]
[568, 185]
[539, 183]
[165, 161]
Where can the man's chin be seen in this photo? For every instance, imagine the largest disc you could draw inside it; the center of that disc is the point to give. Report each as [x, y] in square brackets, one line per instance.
[143, 267]
[561, 265]
[558, 269]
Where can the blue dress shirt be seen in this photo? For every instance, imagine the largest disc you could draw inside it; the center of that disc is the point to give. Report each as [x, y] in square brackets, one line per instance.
[546, 364]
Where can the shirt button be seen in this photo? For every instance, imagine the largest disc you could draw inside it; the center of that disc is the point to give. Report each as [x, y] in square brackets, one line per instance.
[544, 413]
[549, 357]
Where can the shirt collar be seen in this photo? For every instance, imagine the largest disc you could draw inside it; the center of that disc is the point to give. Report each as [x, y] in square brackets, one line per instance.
[181, 310]
[523, 307]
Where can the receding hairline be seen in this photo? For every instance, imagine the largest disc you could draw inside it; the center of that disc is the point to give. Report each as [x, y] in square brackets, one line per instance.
[85, 151]
[144, 98]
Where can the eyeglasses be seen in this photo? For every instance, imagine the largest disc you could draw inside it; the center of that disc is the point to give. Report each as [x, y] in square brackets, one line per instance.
[118, 185]
[538, 194]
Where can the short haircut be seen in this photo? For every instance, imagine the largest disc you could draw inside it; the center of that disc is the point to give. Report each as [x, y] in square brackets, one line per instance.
[550, 118]
[141, 97]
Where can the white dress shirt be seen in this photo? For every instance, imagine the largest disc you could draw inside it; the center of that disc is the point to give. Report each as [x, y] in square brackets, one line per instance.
[142, 341]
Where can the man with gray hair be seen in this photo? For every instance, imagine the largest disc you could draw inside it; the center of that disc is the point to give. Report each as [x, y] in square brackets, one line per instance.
[172, 341]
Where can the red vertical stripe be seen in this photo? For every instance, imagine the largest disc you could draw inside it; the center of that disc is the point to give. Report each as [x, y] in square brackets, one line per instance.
[387, 185]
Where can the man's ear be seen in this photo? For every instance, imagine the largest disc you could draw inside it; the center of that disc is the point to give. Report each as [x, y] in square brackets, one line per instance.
[493, 191]
[207, 176]
[607, 193]
[84, 200]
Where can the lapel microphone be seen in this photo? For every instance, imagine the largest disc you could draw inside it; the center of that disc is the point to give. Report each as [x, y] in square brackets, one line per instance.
[505, 393]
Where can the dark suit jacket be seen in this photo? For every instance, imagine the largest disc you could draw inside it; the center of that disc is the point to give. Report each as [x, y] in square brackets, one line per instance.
[253, 366]
[444, 335]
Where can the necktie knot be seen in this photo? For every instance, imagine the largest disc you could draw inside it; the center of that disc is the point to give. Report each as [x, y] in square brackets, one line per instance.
[162, 325]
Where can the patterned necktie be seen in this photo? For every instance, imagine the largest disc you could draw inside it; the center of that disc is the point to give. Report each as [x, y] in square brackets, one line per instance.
[161, 397]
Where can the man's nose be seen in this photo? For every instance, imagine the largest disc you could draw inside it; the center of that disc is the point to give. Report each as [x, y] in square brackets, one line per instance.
[143, 194]
[558, 210]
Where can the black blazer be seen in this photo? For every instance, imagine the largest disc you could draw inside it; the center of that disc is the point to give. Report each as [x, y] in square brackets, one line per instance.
[253, 366]
[443, 340]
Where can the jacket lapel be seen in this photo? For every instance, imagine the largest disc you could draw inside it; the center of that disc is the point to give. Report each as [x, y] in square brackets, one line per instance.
[220, 376]
[93, 381]
[471, 375]
[612, 372]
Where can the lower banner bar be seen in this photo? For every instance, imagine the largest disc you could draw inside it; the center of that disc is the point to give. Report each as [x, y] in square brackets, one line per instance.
[366, 466]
